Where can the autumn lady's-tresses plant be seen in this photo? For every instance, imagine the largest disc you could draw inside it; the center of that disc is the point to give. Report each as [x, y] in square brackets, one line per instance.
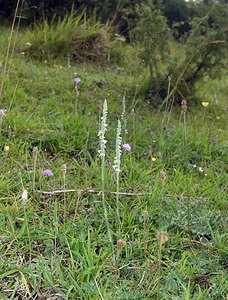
[101, 151]
[117, 171]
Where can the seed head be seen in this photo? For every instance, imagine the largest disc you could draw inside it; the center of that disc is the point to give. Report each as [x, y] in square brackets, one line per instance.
[64, 169]
[121, 244]
[163, 175]
[145, 215]
[184, 106]
[35, 152]
[151, 266]
[162, 237]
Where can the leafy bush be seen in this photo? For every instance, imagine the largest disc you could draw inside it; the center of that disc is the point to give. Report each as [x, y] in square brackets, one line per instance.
[153, 35]
[205, 53]
[200, 52]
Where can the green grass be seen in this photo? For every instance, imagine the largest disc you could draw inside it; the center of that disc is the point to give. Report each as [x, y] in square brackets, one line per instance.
[45, 255]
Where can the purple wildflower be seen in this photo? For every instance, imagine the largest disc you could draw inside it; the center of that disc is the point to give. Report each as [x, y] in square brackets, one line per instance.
[213, 140]
[126, 147]
[47, 173]
[77, 80]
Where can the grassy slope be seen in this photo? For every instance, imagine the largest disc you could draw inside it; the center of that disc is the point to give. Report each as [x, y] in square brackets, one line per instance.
[43, 255]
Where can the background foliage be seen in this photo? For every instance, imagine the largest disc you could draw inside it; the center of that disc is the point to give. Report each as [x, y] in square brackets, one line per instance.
[177, 40]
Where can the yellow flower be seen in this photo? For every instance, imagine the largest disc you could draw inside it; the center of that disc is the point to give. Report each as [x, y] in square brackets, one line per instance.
[153, 158]
[217, 117]
[6, 148]
[205, 104]
[220, 129]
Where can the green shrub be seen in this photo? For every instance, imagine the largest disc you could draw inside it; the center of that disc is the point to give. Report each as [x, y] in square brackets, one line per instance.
[175, 66]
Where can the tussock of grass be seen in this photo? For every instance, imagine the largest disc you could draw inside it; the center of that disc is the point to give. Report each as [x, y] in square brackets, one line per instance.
[73, 36]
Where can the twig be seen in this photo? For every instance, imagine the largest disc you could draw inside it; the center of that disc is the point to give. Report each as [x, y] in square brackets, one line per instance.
[197, 242]
[97, 191]
[8, 50]
[92, 191]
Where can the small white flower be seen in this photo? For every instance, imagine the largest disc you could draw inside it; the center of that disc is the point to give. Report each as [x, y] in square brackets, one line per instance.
[200, 170]
[24, 197]
[28, 44]
[2, 112]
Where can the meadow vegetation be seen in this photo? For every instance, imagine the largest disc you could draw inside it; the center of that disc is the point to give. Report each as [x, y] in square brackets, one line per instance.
[81, 215]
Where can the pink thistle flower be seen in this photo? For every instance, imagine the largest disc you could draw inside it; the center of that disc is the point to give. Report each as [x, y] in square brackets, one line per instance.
[126, 147]
[77, 80]
[47, 173]
[213, 140]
